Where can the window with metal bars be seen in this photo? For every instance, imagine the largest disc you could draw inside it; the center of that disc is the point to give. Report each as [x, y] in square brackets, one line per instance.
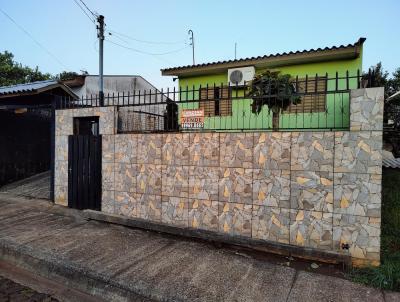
[313, 98]
[215, 101]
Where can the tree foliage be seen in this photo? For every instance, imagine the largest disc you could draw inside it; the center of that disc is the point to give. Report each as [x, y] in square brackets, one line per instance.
[380, 75]
[382, 79]
[274, 90]
[12, 72]
[68, 75]
[394, 84]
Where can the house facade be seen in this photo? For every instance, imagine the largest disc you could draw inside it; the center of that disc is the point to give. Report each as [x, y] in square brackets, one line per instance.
[330, 69]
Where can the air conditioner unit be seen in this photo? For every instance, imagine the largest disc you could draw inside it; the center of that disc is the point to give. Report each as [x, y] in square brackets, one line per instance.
[239, 76]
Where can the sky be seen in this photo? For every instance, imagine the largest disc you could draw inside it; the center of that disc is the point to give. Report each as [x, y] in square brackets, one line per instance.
[69, 41]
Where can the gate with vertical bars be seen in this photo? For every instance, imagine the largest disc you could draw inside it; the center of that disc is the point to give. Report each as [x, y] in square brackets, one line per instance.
[84, 172]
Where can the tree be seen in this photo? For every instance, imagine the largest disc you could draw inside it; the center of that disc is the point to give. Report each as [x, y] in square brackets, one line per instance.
[394, 84]
[274, 90]
[66, 75]
[12, 72]
[380, 75]
[381, 79]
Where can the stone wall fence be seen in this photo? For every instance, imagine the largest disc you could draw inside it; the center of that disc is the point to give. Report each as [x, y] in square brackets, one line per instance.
[318, 190]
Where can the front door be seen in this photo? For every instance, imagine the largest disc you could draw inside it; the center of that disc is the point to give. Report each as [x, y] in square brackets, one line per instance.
[84, 165]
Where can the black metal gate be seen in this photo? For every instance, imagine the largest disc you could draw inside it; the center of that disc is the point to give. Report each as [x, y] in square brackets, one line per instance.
[84, 172]
[24, 153]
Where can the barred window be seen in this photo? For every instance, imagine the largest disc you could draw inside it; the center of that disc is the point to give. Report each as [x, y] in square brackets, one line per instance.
[215, 101]
[310, 102]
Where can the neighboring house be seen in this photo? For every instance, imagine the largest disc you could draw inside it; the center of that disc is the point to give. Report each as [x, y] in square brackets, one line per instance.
[87, 85]
[317, 111]
[116, 87]
[26, 132]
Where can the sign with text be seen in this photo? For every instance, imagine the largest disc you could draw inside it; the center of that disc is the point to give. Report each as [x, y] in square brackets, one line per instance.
[192, 118]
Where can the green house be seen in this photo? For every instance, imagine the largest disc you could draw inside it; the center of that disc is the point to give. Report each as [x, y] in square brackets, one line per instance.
[329, 72]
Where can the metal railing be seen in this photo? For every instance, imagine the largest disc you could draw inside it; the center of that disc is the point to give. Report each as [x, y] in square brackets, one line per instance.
[324, 103]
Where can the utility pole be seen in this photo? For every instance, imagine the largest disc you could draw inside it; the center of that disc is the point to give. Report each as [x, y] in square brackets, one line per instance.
[100, 35]
[190, 32]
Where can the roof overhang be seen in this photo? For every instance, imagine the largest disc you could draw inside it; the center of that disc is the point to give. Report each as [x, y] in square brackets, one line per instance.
[351, 51]
[49, 87]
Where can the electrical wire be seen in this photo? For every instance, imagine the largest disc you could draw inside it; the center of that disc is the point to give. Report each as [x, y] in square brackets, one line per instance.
[93, 14]
[146, 41]
[145, 52]
[85, 12]
[119, 38]
[95, 41]
[160, 58]
[34, 40]
[118, 35]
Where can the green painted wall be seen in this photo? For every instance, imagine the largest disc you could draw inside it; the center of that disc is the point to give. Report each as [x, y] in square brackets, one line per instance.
[336, 116]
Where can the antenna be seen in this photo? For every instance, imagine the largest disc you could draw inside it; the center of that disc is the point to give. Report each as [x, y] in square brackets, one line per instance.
[190, 32]
[235, 50]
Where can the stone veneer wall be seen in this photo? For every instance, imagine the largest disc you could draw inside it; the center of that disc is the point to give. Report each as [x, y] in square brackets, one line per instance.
[64, 128]
[314, 189]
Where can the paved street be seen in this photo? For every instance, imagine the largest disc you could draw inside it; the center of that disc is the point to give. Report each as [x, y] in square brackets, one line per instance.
[124, 264]
[36, 186]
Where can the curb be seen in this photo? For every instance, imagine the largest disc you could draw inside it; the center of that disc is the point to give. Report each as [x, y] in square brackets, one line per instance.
[67, 273]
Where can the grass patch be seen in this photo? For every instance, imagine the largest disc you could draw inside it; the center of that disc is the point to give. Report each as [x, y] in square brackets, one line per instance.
[387, 276]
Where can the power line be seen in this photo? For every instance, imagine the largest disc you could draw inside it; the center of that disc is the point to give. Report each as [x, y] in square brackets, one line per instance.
[146, 41]
[119, 38]
[93, 14]
[158, 57]
[148, 53]
[85, 12]
[34, 40]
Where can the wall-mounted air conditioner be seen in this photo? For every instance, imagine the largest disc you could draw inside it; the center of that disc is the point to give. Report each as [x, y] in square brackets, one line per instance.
[239, 76]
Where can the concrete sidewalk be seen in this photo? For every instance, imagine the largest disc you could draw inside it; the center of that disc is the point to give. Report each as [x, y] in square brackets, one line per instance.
[123, 264]
[36, 187]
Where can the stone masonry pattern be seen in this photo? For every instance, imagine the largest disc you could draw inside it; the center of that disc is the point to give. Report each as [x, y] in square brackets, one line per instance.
[64, 128]
[366, 109]
[319, 190]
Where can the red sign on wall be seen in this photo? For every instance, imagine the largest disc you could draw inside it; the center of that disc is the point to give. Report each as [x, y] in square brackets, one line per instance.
[192, 118]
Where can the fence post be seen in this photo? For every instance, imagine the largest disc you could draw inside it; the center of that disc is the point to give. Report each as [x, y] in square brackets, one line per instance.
[52, 146]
